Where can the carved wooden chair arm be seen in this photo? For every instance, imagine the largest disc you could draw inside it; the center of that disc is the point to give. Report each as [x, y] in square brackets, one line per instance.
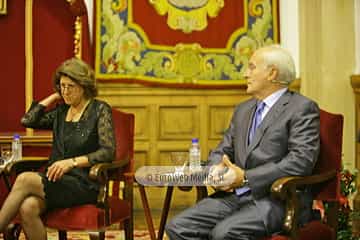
[103, 172]
[129, 177]
[285, 189]
[100, 171]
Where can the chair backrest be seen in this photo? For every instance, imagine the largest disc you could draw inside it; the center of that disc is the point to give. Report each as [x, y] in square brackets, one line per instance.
[331, 132]
[124, 135]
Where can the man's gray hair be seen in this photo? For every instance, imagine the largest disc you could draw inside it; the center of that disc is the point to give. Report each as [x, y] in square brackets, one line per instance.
[281, 59]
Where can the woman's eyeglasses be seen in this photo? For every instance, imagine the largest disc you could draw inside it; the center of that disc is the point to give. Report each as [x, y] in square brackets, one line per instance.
[68, 87]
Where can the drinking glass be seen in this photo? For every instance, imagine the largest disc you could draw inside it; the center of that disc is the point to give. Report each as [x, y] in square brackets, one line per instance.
[5, 153]
[180, 160]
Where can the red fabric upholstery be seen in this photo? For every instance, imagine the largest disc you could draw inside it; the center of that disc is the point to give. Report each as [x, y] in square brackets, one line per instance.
[317, 230]
[124, 134]
[331, 130]
[90, 217]
[87, 216]
[314, 230]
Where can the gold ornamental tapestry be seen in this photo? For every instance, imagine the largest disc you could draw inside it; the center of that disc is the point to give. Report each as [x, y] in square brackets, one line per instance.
[189, 43]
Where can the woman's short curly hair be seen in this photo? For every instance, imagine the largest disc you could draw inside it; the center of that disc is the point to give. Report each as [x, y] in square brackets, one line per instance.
[79, 72]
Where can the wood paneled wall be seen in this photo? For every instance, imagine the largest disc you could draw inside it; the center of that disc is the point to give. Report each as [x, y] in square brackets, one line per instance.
[167, 119]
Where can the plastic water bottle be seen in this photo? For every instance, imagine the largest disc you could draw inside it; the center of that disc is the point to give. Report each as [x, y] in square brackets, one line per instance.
[194, 155]
[16, 148]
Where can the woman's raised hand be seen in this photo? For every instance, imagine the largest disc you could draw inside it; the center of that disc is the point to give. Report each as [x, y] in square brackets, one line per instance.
[50, 99]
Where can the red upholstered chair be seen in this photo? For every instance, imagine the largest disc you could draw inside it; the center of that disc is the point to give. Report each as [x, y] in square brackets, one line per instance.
[325, 183]
[109, 209]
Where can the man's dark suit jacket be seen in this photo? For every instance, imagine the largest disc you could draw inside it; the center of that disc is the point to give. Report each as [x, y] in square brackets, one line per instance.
[286, 143]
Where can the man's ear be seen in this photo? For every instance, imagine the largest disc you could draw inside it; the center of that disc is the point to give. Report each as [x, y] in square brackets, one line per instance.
[273, 74]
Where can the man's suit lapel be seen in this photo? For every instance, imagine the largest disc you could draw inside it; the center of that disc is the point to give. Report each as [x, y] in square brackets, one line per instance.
[244, 130]
[269, 119]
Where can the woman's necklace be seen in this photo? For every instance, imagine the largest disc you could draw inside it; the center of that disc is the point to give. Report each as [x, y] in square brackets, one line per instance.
[75, 114]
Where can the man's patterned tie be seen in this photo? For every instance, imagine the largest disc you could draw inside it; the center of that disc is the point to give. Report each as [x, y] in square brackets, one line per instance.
[256, 119]
[254, 125]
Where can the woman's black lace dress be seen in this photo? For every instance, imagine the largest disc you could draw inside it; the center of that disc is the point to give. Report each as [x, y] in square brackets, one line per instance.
[92, 135]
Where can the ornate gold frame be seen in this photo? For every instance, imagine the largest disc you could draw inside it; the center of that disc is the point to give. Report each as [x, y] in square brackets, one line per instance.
[3, 8]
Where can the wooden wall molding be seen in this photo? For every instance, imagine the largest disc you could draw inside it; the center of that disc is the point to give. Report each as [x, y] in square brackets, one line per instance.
[29, 62]
[355, 83]
[3, 7]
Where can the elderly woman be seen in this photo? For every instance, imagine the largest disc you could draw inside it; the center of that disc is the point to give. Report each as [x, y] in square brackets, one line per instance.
[82, 136]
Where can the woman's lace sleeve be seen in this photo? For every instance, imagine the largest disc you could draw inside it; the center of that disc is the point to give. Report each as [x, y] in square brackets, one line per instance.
[37, 118]
[106, 152]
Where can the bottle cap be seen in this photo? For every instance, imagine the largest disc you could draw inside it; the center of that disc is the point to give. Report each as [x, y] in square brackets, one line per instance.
[194, 140]
[16, 136]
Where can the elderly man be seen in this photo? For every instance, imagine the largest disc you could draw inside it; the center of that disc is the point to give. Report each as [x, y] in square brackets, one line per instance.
[273, 135]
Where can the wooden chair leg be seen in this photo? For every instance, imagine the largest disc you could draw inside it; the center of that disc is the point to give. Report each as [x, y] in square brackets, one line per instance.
[129, 229]
[333, 214]
[97, 235]
[62, 235]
